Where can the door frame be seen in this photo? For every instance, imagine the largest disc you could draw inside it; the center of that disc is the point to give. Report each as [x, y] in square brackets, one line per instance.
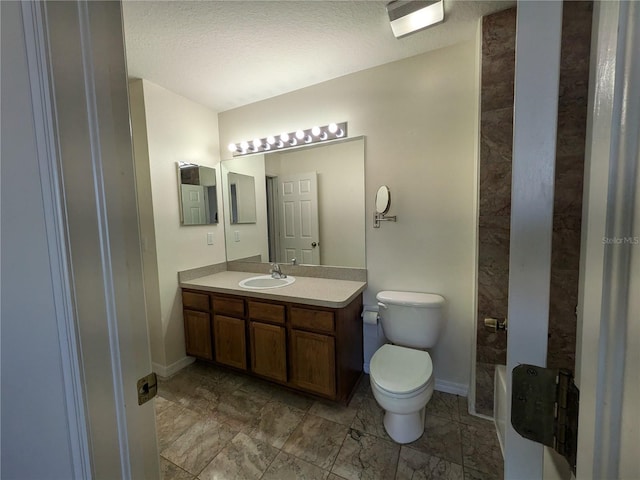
[537, 74]
[273, 220]
[608, 337]
[33, 20]
[608, 333]
[94, 246]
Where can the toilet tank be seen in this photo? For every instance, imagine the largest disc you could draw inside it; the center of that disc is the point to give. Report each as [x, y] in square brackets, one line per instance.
[411, 319]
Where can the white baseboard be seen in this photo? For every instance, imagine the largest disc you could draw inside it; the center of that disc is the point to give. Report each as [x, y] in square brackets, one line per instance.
[461, 389]
[175, 367]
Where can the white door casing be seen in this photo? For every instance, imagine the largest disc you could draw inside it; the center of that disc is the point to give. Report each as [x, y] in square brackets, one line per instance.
[538, 35]
[79, 66]
[299, 231]
[608, 337]
[608, 346]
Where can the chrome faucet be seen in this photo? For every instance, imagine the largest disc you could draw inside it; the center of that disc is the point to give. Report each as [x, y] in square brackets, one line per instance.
[276, 272]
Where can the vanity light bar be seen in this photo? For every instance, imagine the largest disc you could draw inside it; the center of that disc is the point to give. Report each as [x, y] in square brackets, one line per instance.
[333, 131]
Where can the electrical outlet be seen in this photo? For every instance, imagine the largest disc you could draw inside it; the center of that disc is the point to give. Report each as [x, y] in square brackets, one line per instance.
[210, 238]
[236, 236]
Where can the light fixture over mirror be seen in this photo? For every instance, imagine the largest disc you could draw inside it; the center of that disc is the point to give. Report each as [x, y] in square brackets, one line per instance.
[197, 194]
[310, 136]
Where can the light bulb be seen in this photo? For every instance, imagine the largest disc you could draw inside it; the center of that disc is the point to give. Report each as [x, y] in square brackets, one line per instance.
[284, 137]
[266, 147]
[340, 133]
[293, 142]
[244, 145]
[271, 139]
[333, 128]
[315, 131]
[323, 136]
[308, 139]
[279, 144]
[299, 134]
[232, 147]
[257, 143]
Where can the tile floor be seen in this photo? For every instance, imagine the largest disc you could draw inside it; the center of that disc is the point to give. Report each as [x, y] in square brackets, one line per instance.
[216, 424]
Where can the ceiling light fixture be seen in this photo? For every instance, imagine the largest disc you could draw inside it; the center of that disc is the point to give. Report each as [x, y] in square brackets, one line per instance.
[409, 16]
[332, 131]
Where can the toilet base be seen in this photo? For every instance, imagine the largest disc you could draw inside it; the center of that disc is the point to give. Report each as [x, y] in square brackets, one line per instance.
[404, 428]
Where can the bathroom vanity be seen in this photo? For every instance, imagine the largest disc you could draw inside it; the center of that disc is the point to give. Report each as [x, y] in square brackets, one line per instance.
[306, 336]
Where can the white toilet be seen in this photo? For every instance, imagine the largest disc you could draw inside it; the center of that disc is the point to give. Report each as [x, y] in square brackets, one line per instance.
[401, 373]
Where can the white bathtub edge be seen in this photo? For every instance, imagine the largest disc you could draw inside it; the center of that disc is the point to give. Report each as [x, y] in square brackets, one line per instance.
[500, 403]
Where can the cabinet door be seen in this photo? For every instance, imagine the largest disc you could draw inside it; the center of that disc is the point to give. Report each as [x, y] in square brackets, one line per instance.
[197, 333]
[268, 351]
[312, 359]
[230, 340]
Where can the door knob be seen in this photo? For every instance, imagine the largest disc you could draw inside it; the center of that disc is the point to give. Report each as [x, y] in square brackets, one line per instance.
[495, 324]
[314, 244]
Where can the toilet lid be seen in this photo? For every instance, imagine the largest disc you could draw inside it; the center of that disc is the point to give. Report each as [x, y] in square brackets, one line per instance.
[400, 369]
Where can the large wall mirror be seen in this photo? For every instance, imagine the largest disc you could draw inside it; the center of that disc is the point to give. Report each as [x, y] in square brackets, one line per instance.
[197, 194]
[309, 206]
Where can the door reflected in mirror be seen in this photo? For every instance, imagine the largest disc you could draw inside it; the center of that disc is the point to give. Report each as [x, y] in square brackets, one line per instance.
[197, 195]
[310, 206]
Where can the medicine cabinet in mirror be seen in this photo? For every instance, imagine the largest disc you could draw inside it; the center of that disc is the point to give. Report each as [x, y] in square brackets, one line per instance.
[242, 198]
[310, 206]
[197, 194]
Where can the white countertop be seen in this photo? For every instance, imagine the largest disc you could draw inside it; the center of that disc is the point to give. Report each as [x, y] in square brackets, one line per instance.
[319, 292]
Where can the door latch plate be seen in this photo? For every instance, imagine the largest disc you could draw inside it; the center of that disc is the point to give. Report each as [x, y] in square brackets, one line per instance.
[147, 388]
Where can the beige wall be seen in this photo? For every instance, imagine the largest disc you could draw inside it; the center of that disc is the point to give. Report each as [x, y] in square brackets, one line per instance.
[419, 117]
[168, 128]
[340, 169]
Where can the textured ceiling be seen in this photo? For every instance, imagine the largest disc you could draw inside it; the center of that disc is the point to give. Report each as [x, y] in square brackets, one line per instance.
[225, 54]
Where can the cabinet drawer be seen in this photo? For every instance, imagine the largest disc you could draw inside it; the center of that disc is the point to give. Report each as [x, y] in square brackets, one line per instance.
[319, 320]
[268, 312]
[196, 301]
[228, 306]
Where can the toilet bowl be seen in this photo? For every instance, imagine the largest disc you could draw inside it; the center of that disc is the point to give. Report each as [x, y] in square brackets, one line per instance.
[402, 383]
[401, 374]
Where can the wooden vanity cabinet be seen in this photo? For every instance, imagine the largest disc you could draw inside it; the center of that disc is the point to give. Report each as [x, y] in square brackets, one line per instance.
[317, 350]
[313, 362]
[197, 325]
[229, 331]
[268, 339]
[268, 351]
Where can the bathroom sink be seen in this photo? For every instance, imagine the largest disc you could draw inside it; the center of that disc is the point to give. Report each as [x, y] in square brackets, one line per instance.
[262, 282]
